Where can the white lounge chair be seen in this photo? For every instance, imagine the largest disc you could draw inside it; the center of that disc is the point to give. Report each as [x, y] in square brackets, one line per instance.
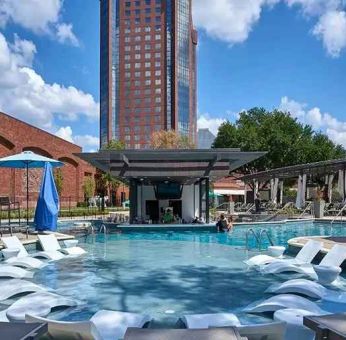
[12, 287]
[284, 301]
[198, 321]
[14, 242]
[269, 331]
[309, 288]
[15, 272]
[305, 255]
[23, 259]
[334, 258]
[104, 325]
[39, 304]
[50, 243]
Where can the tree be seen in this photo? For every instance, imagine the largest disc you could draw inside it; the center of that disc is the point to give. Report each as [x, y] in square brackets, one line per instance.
[170, 140]
[109, 184]
[114, 145]
[287, 141]
[59, 180]
[89, 187]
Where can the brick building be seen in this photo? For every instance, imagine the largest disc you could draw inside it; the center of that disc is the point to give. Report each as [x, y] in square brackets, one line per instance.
[17, 136]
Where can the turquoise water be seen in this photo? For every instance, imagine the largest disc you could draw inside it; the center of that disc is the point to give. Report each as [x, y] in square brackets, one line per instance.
[167, 274]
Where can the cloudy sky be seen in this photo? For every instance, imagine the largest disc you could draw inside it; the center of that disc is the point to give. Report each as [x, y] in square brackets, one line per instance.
[288, 54]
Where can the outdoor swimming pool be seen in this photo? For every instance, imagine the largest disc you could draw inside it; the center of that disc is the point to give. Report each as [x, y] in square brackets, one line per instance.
[167, 274]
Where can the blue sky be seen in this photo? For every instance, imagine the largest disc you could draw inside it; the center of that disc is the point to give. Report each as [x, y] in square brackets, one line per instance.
[288, 54]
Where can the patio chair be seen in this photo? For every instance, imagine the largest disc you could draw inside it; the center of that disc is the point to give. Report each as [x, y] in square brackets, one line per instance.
[24, 257]
[284, 301]
[268, 331]
[305, 255]
[308, 288]
[12, 287]
[40, 303]
[104, 325]
[334, 258]
[50, 244]
[14, 272]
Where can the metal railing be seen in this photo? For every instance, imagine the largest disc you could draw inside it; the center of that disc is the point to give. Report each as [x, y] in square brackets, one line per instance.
[251, 231]
[261, 234]
[103, 229]
[340, 213]
[308, 207]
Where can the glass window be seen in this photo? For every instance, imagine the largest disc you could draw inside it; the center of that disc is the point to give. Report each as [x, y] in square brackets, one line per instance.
[137, 56]
[148, 10]
[158, 28]
[147, 65]
[137, 21]
[127, 30]
[127, 75]
[147, 29]
[137, 65]
[147, 91]
[148, 73]
[158, 10]
[157, 73]
[158, 91]
[157, 63]
[147, 55]
[137, 74]
[127, 13]
[148, 20]
[137, 83]
[158, 82]
[157, 100]
[138, 30]
[158, 109]
[127, 137]
[157, 55]
[128, 4]
[127, 66]
[147, 2]
[127, 57]
[127, 39]
[157, 46]
[137, 47]
[138, 38]
[148, 82]
[138, 3]
[137, 11]
[158, 19]
[147, 37]
[127, 48]
[147, 47]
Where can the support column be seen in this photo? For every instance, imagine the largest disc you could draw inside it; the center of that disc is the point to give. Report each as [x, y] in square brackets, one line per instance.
[330, 188]
[207, 216]
[133, 200]
[281, 185]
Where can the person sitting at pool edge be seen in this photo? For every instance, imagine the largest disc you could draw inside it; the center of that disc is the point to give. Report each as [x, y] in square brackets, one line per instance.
[230, 223]
[222, 224]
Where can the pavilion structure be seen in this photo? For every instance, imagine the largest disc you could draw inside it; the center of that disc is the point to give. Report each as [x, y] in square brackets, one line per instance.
[305, 174]
[176, 179]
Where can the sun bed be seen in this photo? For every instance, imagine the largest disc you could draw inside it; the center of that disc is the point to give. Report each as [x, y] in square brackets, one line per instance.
[12, 287]
[334, 258]
[14, 272]
[40, 303]
[23, 259]
[197, 321]
[14, 242]
[50, 243]
[269, 331]
[305, 255]
[309, 288]
[284, 301]
[182, 334]
[104, 325]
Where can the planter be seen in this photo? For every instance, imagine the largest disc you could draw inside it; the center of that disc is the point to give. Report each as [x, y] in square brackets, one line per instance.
[319, 208]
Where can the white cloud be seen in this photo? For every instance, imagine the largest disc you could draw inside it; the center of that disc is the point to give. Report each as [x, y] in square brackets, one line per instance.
[233, 20]
[331, 29]
[65, 34]
[229, 20]
[325, 122]
[87, 142]
[213, 124]
[65, 133]
[24, 93]
[39, 16]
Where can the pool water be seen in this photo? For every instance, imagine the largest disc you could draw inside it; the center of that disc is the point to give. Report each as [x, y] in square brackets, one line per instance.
[167, 274]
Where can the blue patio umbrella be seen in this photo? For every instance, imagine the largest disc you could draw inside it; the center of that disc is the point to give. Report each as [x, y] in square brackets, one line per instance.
[27, 160]
[47, 209]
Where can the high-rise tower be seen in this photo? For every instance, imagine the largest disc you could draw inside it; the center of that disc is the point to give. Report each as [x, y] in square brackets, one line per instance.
[148, 70]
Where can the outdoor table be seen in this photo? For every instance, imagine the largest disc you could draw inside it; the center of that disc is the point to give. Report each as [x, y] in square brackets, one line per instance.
[22, 331]
[294, 320]
[229, 333]
[327, 274]
[331, 327]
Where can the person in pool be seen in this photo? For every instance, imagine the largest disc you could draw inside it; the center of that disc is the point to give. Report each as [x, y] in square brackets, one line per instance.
[230, 223]
[222, 224]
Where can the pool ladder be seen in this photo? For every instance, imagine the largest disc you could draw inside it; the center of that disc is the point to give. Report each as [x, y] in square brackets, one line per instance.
[103, 229]
[258, 237]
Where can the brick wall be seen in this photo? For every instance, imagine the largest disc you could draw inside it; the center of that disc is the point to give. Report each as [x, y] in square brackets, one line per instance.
[17, 136]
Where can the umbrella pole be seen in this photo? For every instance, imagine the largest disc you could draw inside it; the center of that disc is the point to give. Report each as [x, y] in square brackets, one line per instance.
[27, 194]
